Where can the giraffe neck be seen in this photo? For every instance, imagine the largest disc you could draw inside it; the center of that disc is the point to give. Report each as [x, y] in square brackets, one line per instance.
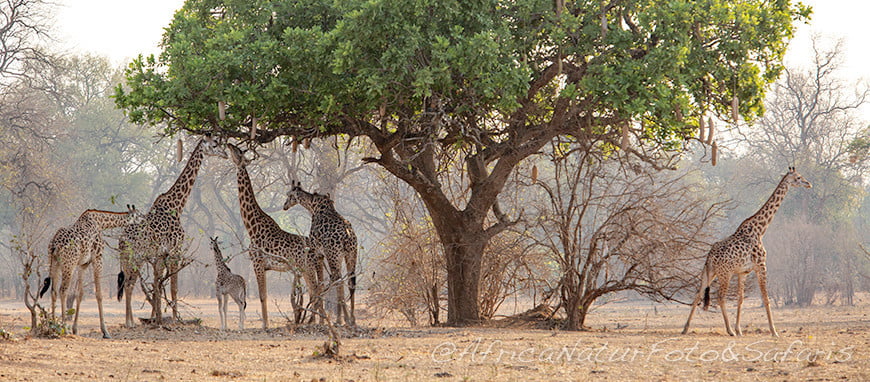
[106, 219]
[759, 222]
[255, 219]
[175, 198]
[219, 261]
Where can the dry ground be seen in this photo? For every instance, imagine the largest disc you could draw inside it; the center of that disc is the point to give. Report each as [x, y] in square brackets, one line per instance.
[627, 342]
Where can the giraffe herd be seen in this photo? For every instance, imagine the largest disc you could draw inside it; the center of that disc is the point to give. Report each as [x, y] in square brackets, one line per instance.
[158, 237]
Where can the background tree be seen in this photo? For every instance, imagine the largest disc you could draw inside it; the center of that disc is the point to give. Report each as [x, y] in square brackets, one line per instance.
[812, 122]
[23, 27]
[483, 84]
[610, 226]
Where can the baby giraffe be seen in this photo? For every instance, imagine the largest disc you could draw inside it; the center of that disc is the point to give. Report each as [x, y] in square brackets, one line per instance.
[230, 284]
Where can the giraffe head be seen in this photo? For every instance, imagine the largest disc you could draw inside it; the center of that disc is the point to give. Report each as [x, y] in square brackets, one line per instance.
[238, 156]
[793, 179]
[213, 147]
[215, 244]
[310, 201]
[134, 216]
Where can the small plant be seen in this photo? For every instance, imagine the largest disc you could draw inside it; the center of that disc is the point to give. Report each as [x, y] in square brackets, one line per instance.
[49, 326]
[5, 335]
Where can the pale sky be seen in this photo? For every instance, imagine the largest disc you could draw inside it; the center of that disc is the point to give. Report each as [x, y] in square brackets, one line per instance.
[121, 29]
[118, 29]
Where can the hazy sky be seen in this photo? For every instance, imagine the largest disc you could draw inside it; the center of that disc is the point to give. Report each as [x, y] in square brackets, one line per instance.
[121, 29]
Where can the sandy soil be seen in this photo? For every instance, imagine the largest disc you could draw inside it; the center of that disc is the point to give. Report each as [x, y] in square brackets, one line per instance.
[627, 342]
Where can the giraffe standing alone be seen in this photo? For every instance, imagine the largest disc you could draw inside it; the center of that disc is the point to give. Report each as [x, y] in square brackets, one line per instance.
[228, 285]
[742, 253]
[273, 249]
[159, 239]
[80, 246]
[332, 236]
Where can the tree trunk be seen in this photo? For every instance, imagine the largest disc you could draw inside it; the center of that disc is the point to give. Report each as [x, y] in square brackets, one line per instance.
[573, 316]
[463, 249]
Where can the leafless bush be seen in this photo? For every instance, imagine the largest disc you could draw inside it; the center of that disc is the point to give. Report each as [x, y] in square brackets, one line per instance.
[808, 261]
[411, 274]
[611, 226]
[510, 267]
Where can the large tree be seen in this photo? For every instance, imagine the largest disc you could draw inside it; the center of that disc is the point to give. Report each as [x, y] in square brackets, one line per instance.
[482, 83]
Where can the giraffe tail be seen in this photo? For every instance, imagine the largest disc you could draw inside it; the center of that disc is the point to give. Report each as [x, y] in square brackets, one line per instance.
[706, 298]
[121, 278]
[244, 295]
[706, 280]
[45, 284]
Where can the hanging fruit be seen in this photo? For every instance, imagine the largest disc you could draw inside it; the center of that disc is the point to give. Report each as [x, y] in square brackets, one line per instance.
[735, 109]
[254, 128]
[714, 153]
[179, 150]
[710, 126]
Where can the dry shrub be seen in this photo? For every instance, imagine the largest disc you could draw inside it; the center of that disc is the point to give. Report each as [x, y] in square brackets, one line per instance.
[509, 268]
[411, 274]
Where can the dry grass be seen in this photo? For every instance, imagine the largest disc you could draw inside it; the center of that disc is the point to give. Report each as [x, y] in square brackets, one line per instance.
[626, 342]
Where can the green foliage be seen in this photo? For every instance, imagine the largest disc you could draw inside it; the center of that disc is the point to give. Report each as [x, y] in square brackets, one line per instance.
[5, 335]
[318, 64]
[49, 326]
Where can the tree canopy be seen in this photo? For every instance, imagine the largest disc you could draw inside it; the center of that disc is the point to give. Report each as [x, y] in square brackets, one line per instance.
[481, 83]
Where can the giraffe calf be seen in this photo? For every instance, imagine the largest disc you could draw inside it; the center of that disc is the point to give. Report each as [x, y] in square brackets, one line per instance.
[228, 285]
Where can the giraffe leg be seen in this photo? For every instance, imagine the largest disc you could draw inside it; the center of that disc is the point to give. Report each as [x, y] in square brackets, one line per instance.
[314, 289]
[64, 287]
[78, 295]
[723, 295]
[129, 285]
[261, 288]
[240, 301]
[98, 292]
[740, 281]
[350, 264]
[54, 273]
[221, 309]
[173, 290]
[334, 276]
[78, 287]
[316, 297]
[296, 297]
[157, 293]
[694, 305]
[762, 285]
[705, 282]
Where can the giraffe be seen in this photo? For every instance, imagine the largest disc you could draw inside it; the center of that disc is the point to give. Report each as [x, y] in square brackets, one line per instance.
[742, 253]
[79, 246]
[159, 238]
[228, 285]
[272, 249]
[332, 236]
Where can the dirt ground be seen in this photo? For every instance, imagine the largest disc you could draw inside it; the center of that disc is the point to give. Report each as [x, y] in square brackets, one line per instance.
[627, 341]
